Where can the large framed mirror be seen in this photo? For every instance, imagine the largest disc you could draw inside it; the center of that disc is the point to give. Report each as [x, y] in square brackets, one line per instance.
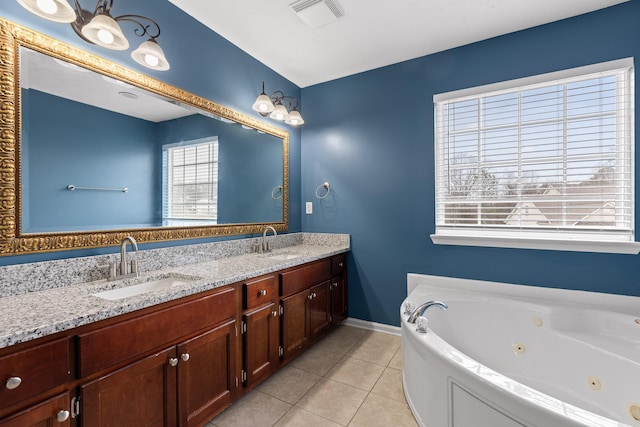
[91, 151]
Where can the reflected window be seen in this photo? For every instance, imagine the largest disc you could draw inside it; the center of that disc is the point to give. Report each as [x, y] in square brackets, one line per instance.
[190, 182]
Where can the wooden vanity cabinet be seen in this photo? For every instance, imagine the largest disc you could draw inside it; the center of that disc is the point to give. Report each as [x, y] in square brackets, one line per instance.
[188, 378]
[338, 289]
[36, 377]
[305, 302]
[49, 413]
[260, 329]
[177, 364]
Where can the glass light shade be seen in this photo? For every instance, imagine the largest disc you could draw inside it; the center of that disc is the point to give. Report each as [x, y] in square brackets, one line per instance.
[150, 55]
[100, 31]
[53, 10]
[263, 104]
[294, 118]
[279, 113]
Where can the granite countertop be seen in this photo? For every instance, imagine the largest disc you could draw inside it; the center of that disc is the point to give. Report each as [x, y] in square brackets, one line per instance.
[33, 315]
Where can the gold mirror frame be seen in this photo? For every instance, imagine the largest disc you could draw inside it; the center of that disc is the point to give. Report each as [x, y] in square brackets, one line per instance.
[12, 241]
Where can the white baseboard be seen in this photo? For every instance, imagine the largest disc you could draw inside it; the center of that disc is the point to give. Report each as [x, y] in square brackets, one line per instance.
[372, 326]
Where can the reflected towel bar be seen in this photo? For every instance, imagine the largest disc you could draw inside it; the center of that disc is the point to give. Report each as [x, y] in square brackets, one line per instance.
[72, 187]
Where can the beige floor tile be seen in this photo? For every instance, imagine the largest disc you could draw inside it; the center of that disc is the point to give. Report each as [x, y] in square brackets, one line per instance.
[297, 417]
[390, 385]
[397, 361]
[378, 411]
[349, 332]
[356, 372]
[256, 409]
[333, 400]
[316, 360]
[376, 347]
[289, 384]
[337, 343]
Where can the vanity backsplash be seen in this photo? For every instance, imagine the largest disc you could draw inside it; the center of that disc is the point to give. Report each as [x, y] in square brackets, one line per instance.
[24, 278]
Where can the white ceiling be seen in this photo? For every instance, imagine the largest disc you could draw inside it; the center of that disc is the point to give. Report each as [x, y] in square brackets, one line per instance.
[372, 33]
[63, 79]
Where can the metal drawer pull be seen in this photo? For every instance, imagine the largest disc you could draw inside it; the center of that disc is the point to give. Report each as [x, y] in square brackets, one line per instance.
[185, 357]
[13, 382]
[262, 292]
[62, 416]
[173, 361]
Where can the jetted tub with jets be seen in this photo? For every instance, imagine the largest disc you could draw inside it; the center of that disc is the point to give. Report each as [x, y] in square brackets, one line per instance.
[509, 355]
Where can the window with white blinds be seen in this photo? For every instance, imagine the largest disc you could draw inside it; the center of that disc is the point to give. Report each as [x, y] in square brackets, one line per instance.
[551, 159]
[191, 181]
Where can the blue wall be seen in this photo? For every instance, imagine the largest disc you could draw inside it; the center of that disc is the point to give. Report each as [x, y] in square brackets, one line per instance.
[202, 62]
[70, 144]
[371, 136]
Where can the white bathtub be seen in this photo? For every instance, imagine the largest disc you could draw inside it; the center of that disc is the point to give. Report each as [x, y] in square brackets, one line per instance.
[508, 355]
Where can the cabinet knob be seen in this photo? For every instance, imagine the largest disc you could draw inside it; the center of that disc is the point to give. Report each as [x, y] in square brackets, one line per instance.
[335, 284]
[341, 264]
[262, 292]
[173, 361]
[275, 313]
[62, 416]
[310, 296]
[314, 295]
[185, 356]
[13, 382]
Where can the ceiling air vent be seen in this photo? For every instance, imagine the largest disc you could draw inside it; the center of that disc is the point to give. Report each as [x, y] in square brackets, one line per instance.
[316, 13]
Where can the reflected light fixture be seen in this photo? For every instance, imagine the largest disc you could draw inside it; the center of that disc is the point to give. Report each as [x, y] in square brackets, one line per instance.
[100, 28]
[274, 107]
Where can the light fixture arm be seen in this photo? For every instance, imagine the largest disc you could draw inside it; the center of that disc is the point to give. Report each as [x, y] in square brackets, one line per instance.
[103, 7]
[278, 97]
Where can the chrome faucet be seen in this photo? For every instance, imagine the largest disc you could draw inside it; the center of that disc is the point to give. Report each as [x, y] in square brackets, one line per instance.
[265, 247]
[124, 270]
[419, 311]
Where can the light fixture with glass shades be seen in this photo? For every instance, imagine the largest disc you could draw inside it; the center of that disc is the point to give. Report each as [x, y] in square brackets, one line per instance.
[274, 107]
[100, 28]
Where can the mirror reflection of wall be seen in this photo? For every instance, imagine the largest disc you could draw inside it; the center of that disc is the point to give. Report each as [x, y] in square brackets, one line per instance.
[105, 141]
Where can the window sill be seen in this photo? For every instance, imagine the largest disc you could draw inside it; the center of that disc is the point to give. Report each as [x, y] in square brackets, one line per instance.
[631, 248]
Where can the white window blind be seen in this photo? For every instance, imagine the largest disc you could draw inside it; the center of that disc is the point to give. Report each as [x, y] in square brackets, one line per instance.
[191, 181]
[551, 160]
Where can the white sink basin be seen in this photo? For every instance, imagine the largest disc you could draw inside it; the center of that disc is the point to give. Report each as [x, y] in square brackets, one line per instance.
[282, 257]
[142, 288]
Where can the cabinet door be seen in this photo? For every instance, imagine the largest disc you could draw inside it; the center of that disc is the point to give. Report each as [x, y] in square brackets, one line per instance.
[261, 340]
[319, 310]
[338, 299]
[294, 323]
[140, 394]
[206, 374]
[52, 412]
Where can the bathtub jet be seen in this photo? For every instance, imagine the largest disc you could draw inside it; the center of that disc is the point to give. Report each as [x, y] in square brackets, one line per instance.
[511, 356]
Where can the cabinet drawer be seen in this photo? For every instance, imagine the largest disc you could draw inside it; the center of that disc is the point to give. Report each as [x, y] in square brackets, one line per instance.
[36, 370]
[338, 264]
[259, 292]
[117, 343]
[304, 277]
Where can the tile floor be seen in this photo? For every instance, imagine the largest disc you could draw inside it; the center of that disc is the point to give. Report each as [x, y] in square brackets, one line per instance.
[352, 377]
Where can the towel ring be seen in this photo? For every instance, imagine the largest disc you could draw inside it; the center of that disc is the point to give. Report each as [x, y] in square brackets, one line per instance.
[274, 192]
[326, 186]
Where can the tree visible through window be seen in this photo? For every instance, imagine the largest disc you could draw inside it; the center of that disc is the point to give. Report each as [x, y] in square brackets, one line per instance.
[552, 157]
[191, 181]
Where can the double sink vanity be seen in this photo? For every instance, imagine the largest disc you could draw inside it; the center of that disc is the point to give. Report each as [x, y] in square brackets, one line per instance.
[173, 346]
